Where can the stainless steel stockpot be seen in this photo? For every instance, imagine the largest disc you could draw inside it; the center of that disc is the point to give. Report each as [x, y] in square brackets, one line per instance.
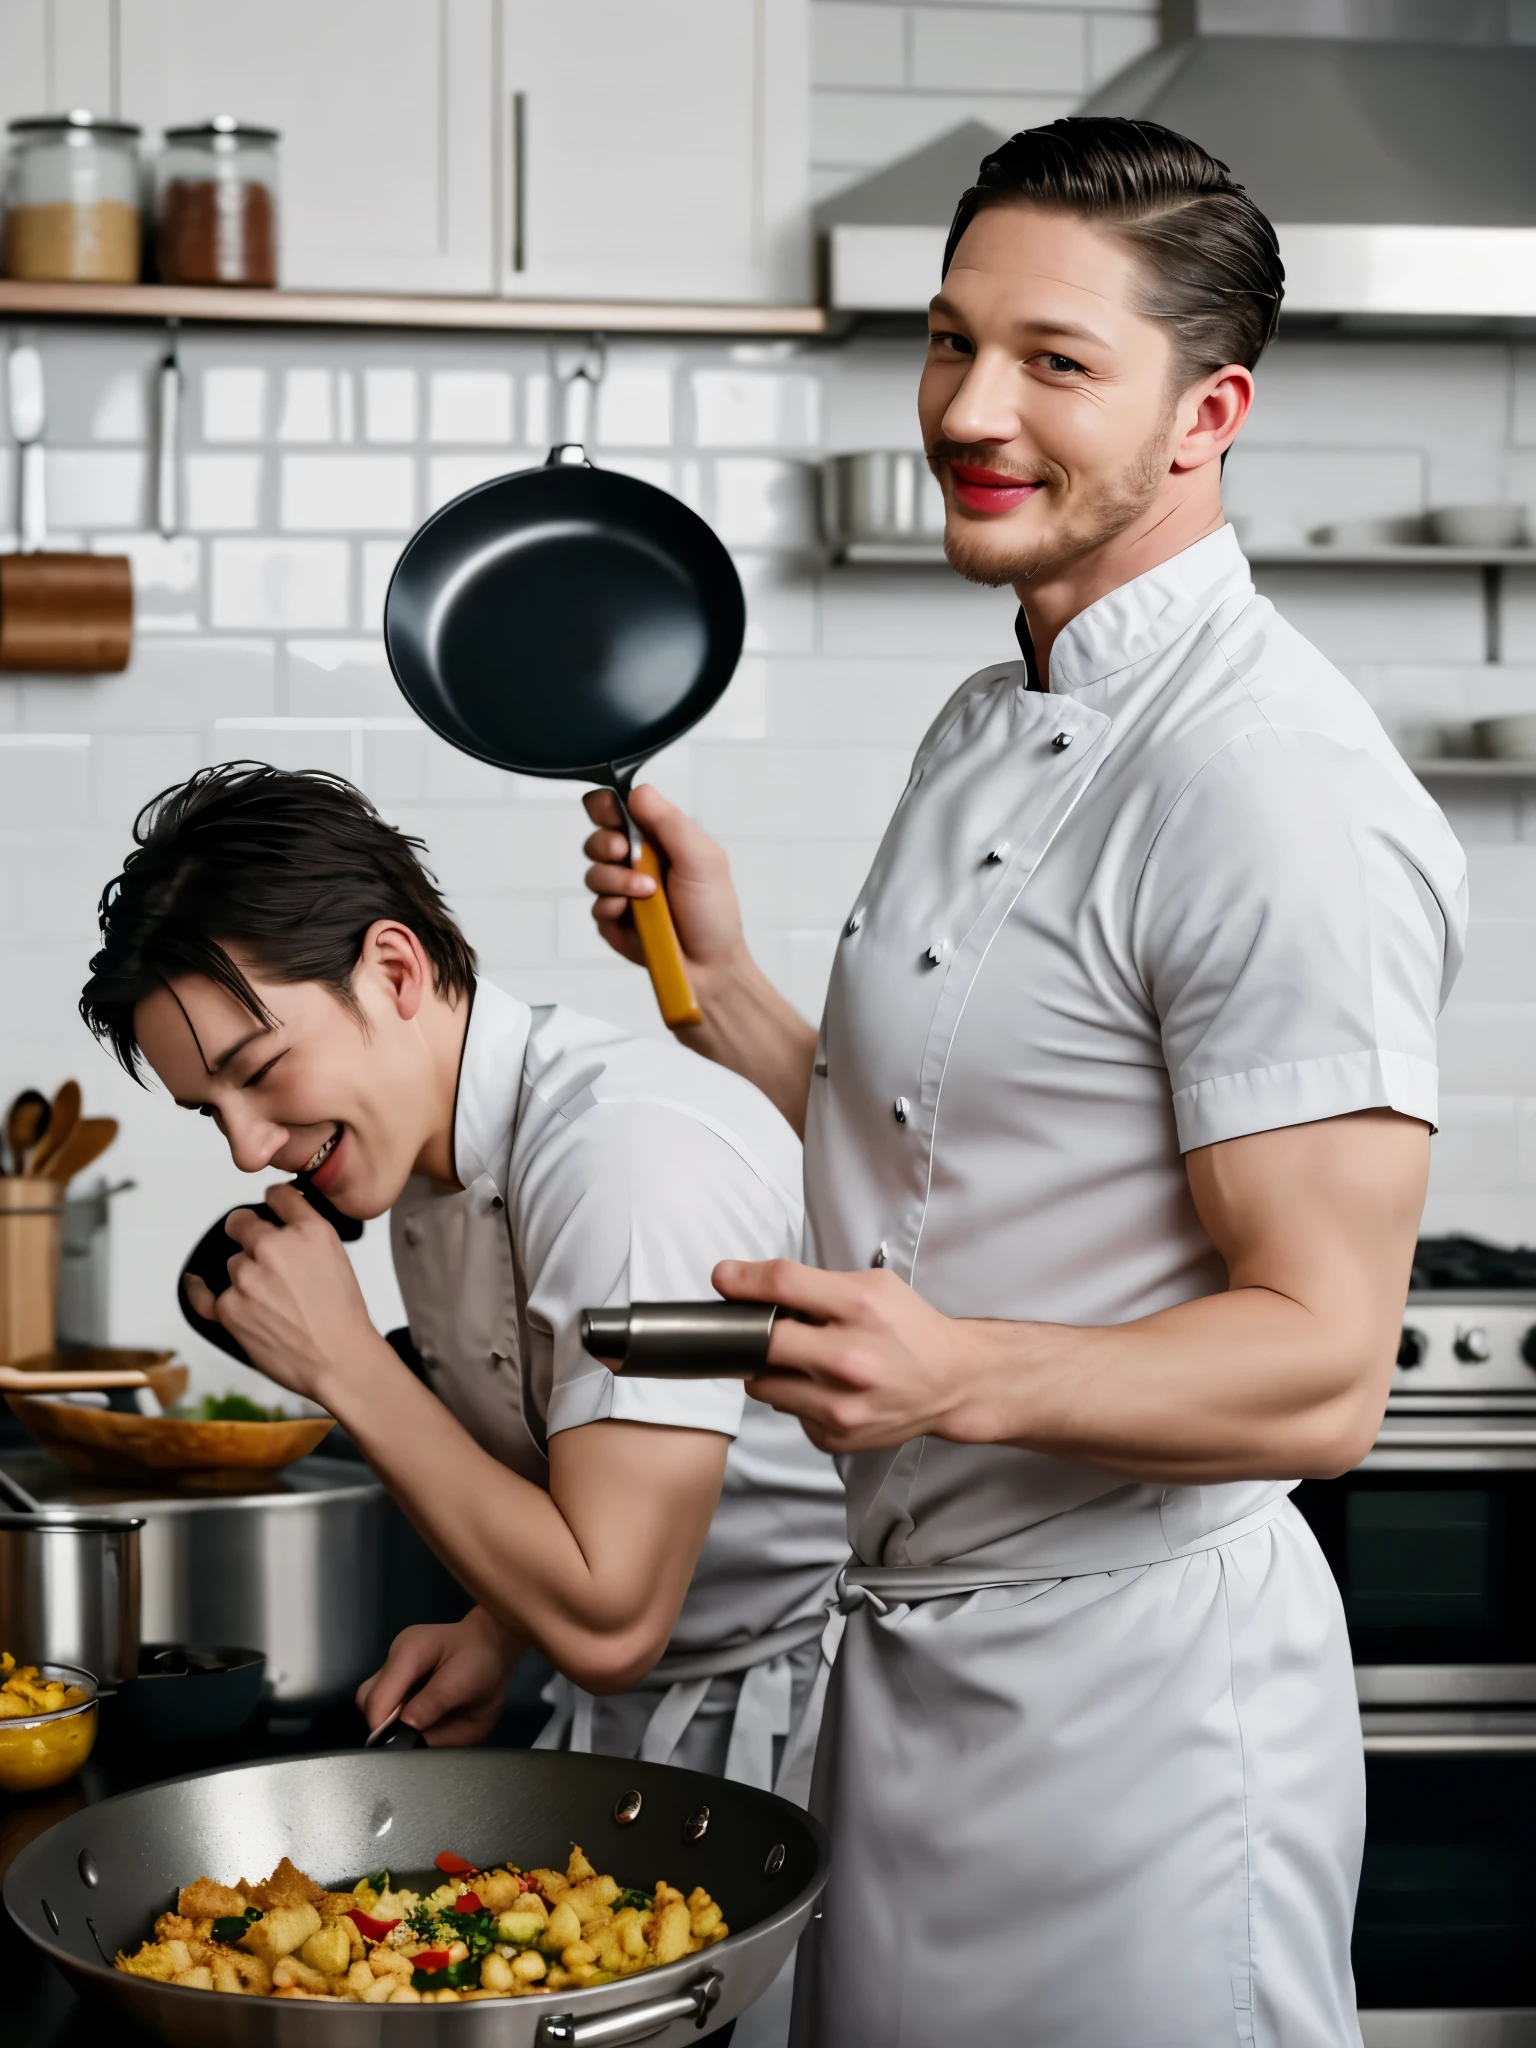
[69, 1592]
[881, 503]
[94, 1883]
[298, 1567]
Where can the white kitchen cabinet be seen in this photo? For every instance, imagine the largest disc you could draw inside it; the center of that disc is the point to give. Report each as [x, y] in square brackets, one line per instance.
[654, 149]
[386, 112]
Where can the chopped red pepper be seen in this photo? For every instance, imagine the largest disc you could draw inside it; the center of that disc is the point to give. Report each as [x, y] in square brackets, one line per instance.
[468, 1902]
[369, 1928]
[429, 1959]
[453, 1866]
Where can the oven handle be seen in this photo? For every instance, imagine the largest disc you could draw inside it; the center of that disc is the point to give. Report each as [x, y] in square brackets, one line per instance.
[1450, 1745]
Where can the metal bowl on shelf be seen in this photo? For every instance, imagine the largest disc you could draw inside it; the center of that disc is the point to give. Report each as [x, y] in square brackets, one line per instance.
[877, 503]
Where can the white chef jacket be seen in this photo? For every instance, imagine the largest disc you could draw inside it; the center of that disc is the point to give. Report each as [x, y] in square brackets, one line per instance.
[1188, 894]
[597, 1169]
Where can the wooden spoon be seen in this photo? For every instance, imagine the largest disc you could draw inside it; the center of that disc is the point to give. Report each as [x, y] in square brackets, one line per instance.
[25, 1122]
[85, 1143]
[62, 1118]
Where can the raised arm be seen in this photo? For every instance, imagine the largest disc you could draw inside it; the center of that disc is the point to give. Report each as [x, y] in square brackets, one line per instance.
[593, 1572]
[1285, 1375]
[748, 1026]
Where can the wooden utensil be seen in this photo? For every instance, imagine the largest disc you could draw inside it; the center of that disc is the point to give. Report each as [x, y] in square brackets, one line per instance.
[62, 1118]
[30, 1244]
[25, 1122]
[85, 1144]
[107, 1445]
[96, 1371]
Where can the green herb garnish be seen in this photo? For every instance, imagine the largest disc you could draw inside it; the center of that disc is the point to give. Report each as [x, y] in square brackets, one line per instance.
[456, 1977]
[631, 1896]
[230, 1928]
[379, 1882]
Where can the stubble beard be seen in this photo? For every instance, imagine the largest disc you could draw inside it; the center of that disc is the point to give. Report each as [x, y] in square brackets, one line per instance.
[972, 552]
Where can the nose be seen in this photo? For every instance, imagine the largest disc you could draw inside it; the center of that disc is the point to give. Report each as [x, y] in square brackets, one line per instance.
[254, 1141]
[985, 407]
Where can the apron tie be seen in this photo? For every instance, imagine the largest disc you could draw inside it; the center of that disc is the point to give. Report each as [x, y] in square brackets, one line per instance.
[763, 1713]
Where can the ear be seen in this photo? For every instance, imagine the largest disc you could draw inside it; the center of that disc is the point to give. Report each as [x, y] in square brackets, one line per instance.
[393, 953]
[1210, 415]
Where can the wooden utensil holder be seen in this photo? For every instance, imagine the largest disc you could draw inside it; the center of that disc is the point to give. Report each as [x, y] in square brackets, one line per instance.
[31, 1234]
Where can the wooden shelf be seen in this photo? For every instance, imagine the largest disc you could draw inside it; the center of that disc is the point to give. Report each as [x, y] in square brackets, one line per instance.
[197, 303]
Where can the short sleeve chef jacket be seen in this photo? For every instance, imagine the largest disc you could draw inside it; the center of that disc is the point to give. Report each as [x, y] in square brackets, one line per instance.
[1189, 893]
[599, 1169]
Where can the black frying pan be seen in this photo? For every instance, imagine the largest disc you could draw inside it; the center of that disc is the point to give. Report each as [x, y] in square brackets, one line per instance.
[569, 621]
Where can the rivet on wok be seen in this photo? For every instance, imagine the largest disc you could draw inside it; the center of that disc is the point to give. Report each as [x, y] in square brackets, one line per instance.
[696, 1826]
[774, 1862]
[627, 1808]
[49, 1915]
[86, 1865]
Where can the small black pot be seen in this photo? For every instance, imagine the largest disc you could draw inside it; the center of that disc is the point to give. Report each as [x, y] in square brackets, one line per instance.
[176, 1698]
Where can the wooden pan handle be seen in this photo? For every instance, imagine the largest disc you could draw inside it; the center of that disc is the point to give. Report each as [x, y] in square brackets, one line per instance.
[663, 954]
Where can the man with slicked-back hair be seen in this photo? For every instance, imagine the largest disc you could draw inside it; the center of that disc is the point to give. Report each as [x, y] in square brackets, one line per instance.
[1117, 1133]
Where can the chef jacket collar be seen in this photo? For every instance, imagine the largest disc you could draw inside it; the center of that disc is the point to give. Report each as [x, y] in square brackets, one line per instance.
[490, 1082]
[1132, 624]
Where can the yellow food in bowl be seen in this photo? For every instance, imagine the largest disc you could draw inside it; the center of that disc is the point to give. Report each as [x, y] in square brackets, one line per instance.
[47, 1723]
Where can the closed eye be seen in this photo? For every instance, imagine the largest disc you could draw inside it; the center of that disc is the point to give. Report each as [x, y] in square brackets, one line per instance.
[261, 1073]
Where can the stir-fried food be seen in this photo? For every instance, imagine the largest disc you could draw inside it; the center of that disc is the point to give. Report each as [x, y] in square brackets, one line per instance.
[24, 1693]
[501, 1933]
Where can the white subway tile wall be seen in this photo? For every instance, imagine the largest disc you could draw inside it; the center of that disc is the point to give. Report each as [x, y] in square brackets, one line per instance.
[888, 78]
[306, 461]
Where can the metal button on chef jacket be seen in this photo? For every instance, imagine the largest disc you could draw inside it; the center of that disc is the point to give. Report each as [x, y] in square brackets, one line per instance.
[1228, 907]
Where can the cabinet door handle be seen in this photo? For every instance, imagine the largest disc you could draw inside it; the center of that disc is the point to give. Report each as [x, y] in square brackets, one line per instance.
[519, 151]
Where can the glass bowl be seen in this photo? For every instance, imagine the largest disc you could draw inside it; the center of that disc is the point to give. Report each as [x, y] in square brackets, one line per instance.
[45, 1749]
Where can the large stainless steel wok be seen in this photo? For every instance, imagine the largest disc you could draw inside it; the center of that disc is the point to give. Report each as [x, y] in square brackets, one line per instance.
[94, 1883]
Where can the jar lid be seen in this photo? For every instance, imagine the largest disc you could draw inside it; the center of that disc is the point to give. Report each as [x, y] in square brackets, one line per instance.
[77, 117]
[221, 125]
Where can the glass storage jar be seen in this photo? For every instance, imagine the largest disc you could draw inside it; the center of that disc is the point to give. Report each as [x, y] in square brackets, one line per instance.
[217, 204]
[72, 199]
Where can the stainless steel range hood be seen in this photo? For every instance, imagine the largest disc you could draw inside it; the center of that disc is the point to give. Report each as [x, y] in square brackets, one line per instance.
[1392, 142]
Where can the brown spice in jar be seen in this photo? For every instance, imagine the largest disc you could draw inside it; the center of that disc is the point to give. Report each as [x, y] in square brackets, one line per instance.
[98, 242]
[217, 231]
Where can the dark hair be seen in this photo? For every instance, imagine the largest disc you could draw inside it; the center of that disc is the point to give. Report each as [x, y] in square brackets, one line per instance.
[1211, 262]
[292, 867]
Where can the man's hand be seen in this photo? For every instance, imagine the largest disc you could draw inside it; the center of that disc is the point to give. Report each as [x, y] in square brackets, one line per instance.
[465, 1665]
[874, 1366]
[293, 1299]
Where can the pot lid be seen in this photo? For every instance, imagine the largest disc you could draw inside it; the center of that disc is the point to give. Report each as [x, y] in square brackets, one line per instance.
[223, 127]
[77, 117]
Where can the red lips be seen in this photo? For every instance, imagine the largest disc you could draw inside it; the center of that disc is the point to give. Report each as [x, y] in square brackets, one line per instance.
[989, 490]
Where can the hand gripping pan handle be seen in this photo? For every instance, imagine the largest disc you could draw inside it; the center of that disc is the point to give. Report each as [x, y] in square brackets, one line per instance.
[657, 933]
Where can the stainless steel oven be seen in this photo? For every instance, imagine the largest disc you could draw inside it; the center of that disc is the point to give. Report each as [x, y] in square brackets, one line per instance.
[1433, 1542]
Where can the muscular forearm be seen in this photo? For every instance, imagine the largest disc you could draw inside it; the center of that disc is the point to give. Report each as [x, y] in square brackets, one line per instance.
[586, 1602]
[749, 1027]
[1248, 1384]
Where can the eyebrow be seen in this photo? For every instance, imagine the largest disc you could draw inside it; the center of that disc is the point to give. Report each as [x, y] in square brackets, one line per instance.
[224, 1057]
[1067, 330]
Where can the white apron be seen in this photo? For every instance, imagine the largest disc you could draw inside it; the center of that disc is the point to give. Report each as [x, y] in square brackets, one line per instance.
[1091, 1757]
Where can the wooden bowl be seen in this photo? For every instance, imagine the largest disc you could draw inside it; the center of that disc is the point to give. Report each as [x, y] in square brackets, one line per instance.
[105, 1445]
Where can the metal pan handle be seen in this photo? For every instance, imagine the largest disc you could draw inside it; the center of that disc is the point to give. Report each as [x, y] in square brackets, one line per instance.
[635, 2022]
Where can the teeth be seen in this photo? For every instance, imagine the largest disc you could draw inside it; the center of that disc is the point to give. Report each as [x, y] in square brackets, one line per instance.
[325, 1150]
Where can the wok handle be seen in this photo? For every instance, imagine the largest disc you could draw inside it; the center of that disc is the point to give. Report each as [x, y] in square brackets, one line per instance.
[658, 941]
[634, 2022]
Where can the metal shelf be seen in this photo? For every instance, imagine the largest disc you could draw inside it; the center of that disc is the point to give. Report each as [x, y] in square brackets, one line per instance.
[398, 309]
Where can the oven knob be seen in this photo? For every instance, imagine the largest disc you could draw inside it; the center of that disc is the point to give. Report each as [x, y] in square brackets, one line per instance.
[1472, 1347]
[1412, 1346]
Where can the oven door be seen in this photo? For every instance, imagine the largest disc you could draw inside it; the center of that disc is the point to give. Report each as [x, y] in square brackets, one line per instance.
[1445, 1926]
[1433, 1543]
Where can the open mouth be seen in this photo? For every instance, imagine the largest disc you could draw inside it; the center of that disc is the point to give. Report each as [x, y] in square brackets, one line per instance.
[989, 490]
[313, 1166]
